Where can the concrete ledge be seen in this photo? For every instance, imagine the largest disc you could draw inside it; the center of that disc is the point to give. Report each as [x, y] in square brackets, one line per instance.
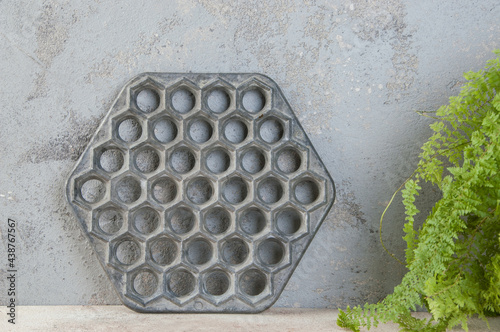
[119, 318]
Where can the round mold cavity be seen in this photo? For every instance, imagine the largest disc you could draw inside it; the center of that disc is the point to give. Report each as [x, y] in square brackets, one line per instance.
[110, 220]
[129, 130]
[199, 251]
[235, 190]
[271, 252]
[147, 160]
[234, 251]
[147, 100]
[288, 221]
[164, 190]
[217, 220]
[183, 100]
[199, 190]
[128, 189]
[271, 130]
[218, 100]
[253, 100]
[288, 160]
[182, 220]
[145, 283]
[127, 252]
[111, 160]
[270, 190]
[181, 283]
[200, 130]
[253, 160]
[146, 220]
[92, 190]
[306, 191]
[165, 130]
[235, 130]
[218, 160]
[216, 283]
[182, 160]
[253, 282]
[163, 251]
[252, 221]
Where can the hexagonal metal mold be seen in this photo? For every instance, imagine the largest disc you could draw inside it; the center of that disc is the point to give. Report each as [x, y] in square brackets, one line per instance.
[200, 192]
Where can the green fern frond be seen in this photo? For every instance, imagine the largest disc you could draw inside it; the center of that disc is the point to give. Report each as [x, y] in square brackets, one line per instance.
[453, 260]
[345, 320]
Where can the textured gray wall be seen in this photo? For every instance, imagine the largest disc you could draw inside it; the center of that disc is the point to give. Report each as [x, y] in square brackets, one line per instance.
[354, 72]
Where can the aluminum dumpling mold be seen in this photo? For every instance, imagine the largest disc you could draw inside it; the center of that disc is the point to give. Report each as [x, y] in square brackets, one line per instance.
[200, 192]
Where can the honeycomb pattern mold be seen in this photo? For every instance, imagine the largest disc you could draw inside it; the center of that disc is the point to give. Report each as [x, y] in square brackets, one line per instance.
[200, 192]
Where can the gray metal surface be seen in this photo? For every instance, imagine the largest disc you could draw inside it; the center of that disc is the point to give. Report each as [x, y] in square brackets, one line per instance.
[200, 192]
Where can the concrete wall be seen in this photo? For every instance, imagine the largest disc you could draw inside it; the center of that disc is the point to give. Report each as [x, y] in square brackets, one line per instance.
[354, 72]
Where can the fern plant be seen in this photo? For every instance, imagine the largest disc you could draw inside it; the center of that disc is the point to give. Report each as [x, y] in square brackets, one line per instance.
[453, 259]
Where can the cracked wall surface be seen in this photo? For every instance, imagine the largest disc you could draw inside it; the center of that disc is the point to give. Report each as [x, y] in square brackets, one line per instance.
[354, 72]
